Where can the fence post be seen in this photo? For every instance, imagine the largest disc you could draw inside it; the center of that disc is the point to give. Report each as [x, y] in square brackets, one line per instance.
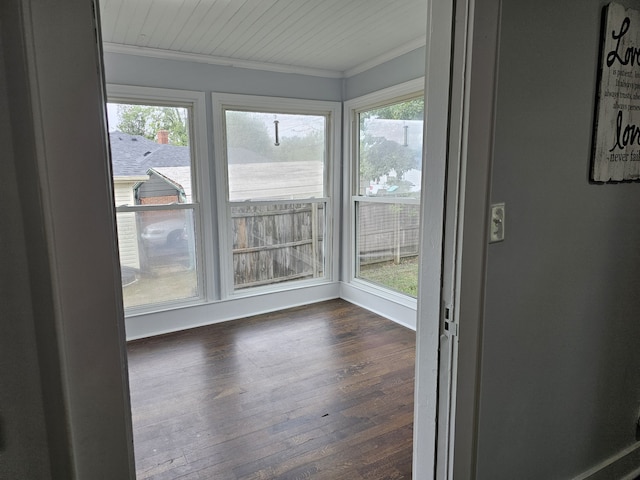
[314, 237]
[397, 235]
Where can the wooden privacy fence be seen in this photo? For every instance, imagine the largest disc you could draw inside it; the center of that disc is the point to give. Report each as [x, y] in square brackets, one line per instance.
[387, 231]
[277, 242]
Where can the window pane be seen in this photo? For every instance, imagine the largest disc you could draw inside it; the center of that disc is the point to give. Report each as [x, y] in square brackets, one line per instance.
[274, 156]
[390, 150]
[277, 243]
[151, 158]
[151, 165]
[157, 256]
[387, 245]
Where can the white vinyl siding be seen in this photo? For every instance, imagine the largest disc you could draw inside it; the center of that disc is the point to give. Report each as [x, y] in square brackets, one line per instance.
[126, 223]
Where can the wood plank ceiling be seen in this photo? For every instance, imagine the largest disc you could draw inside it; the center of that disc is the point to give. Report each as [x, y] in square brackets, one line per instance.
[335, 37]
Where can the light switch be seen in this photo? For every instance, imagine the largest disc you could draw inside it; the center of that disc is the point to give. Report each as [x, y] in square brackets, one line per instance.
[497, 223]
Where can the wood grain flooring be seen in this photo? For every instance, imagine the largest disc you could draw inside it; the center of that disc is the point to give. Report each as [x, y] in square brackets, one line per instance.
[323, 391]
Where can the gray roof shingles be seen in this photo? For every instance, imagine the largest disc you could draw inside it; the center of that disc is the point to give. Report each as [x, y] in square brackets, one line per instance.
[134, 155]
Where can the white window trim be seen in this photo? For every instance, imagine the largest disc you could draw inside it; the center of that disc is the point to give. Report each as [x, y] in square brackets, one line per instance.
[406, 90]
[333, 110]
[200, 175]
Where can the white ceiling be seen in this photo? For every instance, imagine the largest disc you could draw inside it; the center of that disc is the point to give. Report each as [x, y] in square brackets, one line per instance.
[332, 38]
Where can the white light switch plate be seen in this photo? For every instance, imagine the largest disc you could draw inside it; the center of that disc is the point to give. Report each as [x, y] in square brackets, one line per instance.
[496, 226]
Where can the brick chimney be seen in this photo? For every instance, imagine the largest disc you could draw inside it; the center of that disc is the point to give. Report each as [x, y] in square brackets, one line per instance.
[163, 137]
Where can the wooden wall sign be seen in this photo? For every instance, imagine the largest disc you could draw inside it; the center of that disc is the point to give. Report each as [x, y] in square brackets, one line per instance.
[616, 149]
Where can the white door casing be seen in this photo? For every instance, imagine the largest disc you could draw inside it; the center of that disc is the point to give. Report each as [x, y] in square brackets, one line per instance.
[462, 48]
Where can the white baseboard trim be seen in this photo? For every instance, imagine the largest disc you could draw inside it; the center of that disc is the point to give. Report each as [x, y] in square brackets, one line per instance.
[159, 323]
[402, 313]
[623, 465]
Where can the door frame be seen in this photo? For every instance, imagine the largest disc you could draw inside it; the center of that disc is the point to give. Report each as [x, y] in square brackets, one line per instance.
[480, 83]
[53, 71]
[440, 29]
[462, 52]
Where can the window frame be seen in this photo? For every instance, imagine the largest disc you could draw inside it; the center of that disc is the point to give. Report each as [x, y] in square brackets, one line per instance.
[254, 103]
[201, 192]
[352, 108]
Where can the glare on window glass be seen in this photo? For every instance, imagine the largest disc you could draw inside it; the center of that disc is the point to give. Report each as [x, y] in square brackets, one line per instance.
[274, 156]
[390, 160]
[389, 171]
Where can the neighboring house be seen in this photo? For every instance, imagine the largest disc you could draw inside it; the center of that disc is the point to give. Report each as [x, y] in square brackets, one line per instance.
[136, 163]
[152, 173]
[164, 185]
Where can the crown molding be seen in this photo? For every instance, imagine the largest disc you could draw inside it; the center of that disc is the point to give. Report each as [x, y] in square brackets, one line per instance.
[385, 57]
[223, 61]
[270, 67]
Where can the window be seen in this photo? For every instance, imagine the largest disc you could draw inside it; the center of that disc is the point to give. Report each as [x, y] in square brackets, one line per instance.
[276, 159]
[156, 200]
[386, 183]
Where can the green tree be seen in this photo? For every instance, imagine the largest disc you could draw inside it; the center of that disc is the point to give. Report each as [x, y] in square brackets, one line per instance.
[147, 120]
[247, 130]
[296, 148]
[407, 110]
[378, 155]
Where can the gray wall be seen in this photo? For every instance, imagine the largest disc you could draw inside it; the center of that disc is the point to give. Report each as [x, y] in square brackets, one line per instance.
[560, 384]
[394, 72]
[183, 75]
[23, 442]
[62, 325]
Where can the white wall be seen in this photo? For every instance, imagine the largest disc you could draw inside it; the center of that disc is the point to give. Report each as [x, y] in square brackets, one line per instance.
[560, 371]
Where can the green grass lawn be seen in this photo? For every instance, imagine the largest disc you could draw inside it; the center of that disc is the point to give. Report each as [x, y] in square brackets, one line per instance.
[402, 277]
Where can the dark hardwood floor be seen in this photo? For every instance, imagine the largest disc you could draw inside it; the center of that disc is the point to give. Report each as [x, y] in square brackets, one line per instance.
[321, 392]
